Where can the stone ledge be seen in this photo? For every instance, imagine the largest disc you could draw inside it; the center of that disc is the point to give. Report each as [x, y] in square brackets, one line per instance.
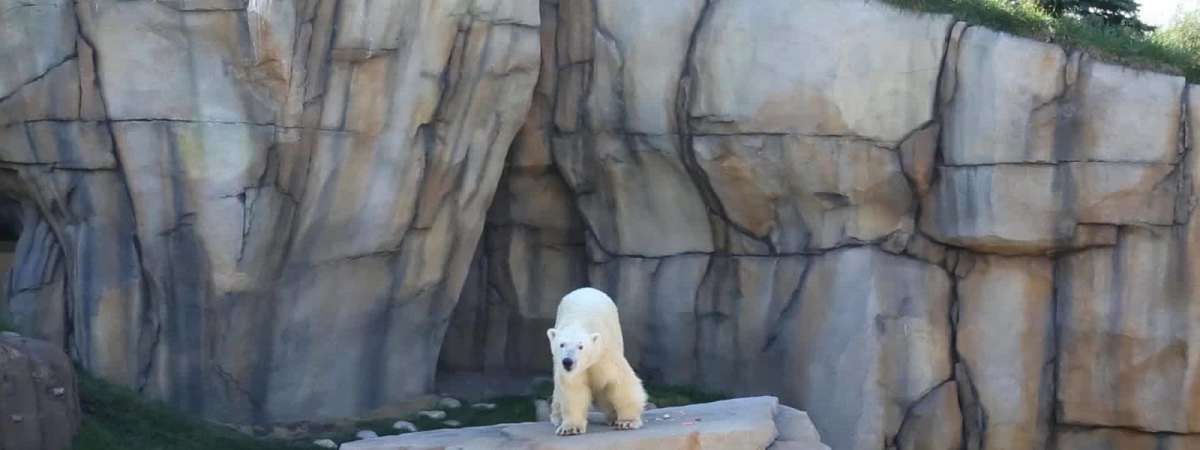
[744, 423]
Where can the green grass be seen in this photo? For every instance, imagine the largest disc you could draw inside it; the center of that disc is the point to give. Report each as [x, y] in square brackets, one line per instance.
[1110, 43]
[117, 419]
[1183, 34]
[665, 396]
[508, 410]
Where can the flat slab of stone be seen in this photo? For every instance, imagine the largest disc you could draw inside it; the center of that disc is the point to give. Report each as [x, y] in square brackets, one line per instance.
[744, 423]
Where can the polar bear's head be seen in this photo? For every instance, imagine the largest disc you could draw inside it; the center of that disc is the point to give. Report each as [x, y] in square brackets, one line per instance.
[573, 348]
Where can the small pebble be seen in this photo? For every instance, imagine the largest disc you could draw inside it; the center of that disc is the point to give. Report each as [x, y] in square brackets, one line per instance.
[58, 392]
[452, 423]
[366, 434]
[325, 443]
[405, 426]
[484, 406]
[434, 414]
[449, 403]
[666, 416]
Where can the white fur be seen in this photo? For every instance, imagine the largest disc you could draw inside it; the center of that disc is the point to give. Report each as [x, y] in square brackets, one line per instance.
[588, 330]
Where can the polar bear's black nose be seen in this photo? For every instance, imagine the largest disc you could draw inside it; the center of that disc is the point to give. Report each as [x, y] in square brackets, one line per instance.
[568, 363]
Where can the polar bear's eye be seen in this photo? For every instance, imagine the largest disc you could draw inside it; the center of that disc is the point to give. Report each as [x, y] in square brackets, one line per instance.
[562, 345]
[581, 347]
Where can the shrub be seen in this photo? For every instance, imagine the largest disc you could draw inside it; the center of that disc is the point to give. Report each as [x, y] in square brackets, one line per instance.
[1165, 50]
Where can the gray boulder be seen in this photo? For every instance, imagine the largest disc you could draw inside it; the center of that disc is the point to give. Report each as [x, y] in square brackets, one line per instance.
[39, 400]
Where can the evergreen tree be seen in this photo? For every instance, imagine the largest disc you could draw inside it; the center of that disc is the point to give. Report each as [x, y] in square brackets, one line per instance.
[1111, 12]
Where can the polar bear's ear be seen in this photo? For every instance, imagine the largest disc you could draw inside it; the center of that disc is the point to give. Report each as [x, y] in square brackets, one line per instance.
[595, 338]
[551, 333]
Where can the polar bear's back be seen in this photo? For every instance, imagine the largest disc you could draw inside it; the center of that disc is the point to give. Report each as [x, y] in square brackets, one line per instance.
[595, 311]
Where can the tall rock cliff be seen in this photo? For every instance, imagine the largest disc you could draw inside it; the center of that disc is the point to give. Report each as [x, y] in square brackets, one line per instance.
[927, 234]
[258, 210]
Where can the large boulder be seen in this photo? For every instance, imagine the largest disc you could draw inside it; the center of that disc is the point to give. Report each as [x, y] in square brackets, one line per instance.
[39, 401]
[1069, 141]
[747, 423]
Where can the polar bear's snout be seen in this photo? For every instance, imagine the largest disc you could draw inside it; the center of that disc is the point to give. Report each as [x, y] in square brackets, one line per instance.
[568, 363]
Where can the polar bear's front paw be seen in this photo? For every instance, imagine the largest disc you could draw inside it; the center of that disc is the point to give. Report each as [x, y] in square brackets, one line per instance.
[569, 429]
[631, 424]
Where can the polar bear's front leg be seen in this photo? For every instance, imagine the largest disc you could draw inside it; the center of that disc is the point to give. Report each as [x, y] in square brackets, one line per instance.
[556, 408]
[603, 403]
[629, 400]
[573, 406]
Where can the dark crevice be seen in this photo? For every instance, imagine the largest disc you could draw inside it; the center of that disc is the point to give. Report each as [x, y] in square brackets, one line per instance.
[238, 386]
[273, 125]
[39, 76]
[786, 313]
[1063, 162]
[55, 166]
[148, 313]
[1184, 202]
[908, 412]
[686, 137]
[1058, 291]
[971, 407]
[1075, 426]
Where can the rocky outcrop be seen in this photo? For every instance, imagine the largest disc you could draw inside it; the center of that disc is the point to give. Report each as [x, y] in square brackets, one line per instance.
[267, 210]
[746, 423]
[256, 210]
[947, 223]
[39, 402]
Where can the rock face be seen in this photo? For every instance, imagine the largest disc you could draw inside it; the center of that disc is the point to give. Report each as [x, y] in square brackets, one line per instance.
[746, 423]
[927, 234]
[247, 207]
[39, 403]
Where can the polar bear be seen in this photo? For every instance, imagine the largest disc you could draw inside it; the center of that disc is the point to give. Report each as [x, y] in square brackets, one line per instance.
[590, 366]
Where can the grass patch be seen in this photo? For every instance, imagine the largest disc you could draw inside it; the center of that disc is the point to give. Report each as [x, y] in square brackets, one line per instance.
[115, 418]
[1115, 44]
[665, 396]
[509, 409]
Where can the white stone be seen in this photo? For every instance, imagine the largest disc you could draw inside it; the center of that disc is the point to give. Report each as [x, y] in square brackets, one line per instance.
[404, 426]
[325, 443]
[433, 414]
[366, 434]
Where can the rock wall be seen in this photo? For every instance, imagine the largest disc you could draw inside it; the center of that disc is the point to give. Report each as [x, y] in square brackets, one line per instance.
[256, 210]
[929, 235]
